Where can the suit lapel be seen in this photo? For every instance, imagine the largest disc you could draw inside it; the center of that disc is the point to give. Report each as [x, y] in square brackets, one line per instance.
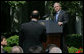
[59, 16]
[60, 13]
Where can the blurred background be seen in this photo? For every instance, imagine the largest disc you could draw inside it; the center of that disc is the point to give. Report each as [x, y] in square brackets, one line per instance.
[14, 13]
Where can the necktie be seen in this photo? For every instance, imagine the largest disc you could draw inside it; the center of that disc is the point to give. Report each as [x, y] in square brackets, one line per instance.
[56, 17]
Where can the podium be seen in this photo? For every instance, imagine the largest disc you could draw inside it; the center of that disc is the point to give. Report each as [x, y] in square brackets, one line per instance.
[53, 31]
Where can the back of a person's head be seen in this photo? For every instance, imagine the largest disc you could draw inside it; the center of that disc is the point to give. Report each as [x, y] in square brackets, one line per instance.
[35, 14]
[55, 50]
[35, 49]
[52, 48]
[16, 49]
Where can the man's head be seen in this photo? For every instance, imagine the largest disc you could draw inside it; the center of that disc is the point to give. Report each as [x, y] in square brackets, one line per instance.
[52, 48]
[35, 49]
[3, 40]
[55, 50]
[57, 6]
[35, 14]
[16, 49]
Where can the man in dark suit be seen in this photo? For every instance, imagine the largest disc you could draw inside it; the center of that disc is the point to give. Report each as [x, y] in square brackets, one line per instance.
[32, 33]
[61, 18]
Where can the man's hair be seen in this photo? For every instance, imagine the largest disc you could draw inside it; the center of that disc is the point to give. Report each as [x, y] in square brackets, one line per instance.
[57, 3]
[2, 37]
[51, 47]
[35, 14]
[35, 49]
[16, 49]
[55, 50]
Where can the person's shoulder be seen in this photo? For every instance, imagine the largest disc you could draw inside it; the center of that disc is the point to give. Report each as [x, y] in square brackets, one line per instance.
[25, 23]
[42, 25]
[63, 11]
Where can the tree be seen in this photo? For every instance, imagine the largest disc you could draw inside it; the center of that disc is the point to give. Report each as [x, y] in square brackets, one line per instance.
[15, 13]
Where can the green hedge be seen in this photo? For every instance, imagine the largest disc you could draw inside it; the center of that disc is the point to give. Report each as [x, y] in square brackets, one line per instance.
[75, 50]
[74, 40]
[12, 41]
[8, 49]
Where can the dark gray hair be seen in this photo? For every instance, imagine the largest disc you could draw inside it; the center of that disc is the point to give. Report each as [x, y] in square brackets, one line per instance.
[35, 49]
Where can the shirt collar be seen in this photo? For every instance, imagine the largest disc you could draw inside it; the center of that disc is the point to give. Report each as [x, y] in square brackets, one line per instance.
[58, 11]
[1, 46]
[33, 19]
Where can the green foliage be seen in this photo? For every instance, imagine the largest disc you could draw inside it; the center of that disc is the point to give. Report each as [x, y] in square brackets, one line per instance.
[15, 3]
[8, 49]
[75, 40]
[15, 14]
[13, 40]
[73, 7]
[49, 6]
[74, 50]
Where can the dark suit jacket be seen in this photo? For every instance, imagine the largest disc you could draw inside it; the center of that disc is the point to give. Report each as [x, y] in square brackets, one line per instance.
[62, 17]
[32, 34]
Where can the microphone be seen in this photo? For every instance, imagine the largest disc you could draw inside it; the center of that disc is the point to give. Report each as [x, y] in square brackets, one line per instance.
[45, 16]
